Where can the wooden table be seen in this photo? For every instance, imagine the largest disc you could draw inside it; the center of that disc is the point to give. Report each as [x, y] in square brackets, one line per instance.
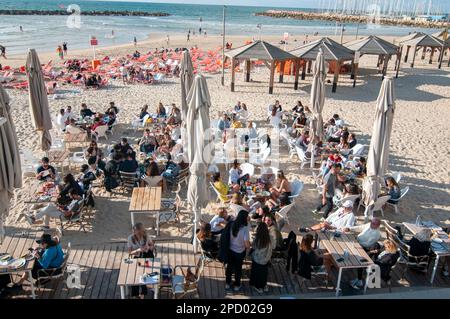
[35, 198]
[145, 200]
[336, 246]
[130, 273]
[17, 245]
[444, 252]
[59, 157]
[74, 138]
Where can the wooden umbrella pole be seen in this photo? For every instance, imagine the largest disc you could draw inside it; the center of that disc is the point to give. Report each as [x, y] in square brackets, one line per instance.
[233, 73]
[272, 76]
[297, 71]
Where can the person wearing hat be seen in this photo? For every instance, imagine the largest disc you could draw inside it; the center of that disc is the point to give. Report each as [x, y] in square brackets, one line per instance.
[48, 256]
[341, 219]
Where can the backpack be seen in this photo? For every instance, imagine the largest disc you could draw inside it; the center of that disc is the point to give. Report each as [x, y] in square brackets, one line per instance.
[225, 244]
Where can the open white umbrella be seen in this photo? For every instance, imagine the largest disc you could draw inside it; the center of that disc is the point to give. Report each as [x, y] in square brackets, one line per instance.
[377, 161]
[317, 100]
[40, 115]
[10, 167]
[198, 125]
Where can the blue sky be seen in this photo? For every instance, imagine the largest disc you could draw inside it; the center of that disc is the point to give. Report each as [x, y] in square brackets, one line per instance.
[445, 4]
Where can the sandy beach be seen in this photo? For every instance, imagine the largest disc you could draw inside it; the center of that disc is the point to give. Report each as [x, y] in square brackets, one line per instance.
[419, 143]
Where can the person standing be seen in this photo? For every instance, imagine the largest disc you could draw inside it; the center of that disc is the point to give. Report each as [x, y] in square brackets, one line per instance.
[262, 252]
[189, 35]
[135, 42]
[239, 245]
[168, 40]
[330, 181]
[64, 45]
[20, 28]
[60, 52]
[3, 51]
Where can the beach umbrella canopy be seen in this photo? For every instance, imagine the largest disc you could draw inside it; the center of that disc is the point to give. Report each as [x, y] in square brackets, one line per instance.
[318, 96]
[377, 161]
[10, 167]
[38, 101]
[198, 125]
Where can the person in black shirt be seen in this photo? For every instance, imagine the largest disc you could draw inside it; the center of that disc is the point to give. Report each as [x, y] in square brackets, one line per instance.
[112, 173]
[112, 108]
[45, 171]
[144, 112]
[85, 111]
[420, 244]
[69, 184]
[126, 148]
[129, 165]
[87, 177]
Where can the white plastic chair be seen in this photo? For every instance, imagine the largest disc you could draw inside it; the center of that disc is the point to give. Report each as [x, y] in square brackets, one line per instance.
[78, 158]
[259, 158]
[403, 192]
[283, 213]
[356, 150]
[396, 176]
[100, 131]
[248, 168]
[297, 188]
[379, 204]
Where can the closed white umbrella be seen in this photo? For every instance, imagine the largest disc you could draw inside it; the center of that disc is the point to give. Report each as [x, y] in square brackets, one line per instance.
[377, 161]
[198, 124]
[317, 100]
[186, 79]
[40, 115]
[10, 167]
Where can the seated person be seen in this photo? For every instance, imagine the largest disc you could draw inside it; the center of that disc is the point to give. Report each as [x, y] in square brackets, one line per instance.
[69, 184]
[299, 122]
[49, 256]
[111, 119]
[85, 111]
[172, 170]
[57, 210]
[282, 186]
[261, 212]
[275, 235]
[311, 260]
[129, 164]
[393, 189]
[126, 148]
[97, 122]
[72, 128]
[361, 166]
[152, 176]
[224, 123]
[207, 240]
[112, 108]
[87, 177]
[235, 173]
[237, 108]
[219, 221]
[339, 220]
[268, 177]
[223, 188]
[174, 116]
[331, 129]
[385, 260]
[45, 171]
[351, 140]
[275, 205]
[144, 112]
[243, 113]
[303, 140]
[161, 110]
[235, 123]
[420, 243]
[139, 244]
[112, 173]
[252, 133]
[61, 119]
[298, 108]
[368, 235]
[94, 154]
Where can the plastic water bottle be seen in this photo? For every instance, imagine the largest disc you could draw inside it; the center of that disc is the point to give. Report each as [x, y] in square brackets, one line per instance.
[418, 220]
[346, 254]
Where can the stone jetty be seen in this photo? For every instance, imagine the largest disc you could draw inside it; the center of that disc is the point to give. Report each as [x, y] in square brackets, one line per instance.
[85, 13]
[344, 18]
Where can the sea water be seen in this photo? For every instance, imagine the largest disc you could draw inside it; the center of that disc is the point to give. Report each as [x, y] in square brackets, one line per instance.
[45, 33]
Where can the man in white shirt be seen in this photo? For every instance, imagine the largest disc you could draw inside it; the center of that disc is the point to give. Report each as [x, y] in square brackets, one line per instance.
[341, 219]
[369, 234]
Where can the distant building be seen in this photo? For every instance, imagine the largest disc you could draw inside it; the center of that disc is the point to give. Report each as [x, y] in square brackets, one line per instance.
[431, 18]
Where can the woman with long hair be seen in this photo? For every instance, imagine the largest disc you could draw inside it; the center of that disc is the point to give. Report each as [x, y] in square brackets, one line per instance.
[393, 189]
[239, 244]
[161, 110]
[282, 188]
[207, 240]
[94, 153]
[262, 252]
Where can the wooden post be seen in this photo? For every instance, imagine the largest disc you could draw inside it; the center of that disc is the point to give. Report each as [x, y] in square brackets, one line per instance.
[414, 57]
[233, 73]
[297, 71]
[379, 61]
[336, 76]
[282, 64]
[407, 53]
[309, 66]
[431, 56]
[385, 66]
[352, 74]
[304, 70]
[247, 74]
[355, 74]
[398, 62]
[272, 76]
[424, 52]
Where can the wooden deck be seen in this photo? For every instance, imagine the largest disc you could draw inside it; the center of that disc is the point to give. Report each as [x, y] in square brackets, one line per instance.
[100, 269]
